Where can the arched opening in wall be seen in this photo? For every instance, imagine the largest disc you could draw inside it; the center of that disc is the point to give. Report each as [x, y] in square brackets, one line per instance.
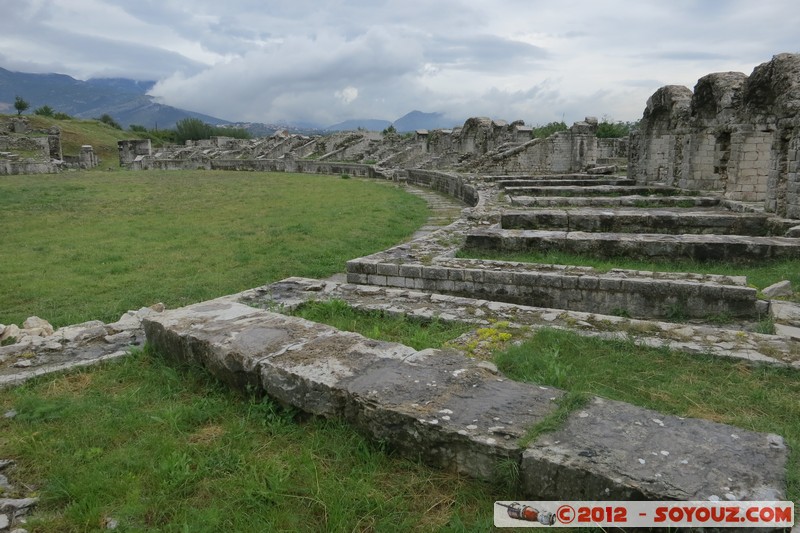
[722, 154]
[781, 172]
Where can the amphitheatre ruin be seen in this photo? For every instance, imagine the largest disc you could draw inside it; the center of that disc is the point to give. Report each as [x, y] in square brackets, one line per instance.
[710, 174]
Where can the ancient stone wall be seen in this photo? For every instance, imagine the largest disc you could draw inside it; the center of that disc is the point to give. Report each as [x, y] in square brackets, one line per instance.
[481, 145]
[449, 184]
[734, 134]
[130, 149]
[27, 151]
[564, 152]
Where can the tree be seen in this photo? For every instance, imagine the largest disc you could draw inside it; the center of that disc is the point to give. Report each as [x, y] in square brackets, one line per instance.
[609, 130]
[108, 119]
[44, 111]
[192, 129]
[542, 132]
[20, 105]
[390, 130]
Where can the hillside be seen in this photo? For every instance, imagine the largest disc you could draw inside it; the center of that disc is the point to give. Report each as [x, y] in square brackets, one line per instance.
[75, 133]
[123, 99]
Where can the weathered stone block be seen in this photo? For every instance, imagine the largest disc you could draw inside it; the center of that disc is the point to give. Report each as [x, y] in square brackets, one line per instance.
[434, 272]
[387, 269]
[395, 281]
[411, 271]
[360, 279]
[375, 279]
[616, 451]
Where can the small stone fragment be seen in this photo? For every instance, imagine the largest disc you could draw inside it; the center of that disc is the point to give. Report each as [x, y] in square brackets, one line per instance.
[36, 323]
[782, 288]
[11, 330]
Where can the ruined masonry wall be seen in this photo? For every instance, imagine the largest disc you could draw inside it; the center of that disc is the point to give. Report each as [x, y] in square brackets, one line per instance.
[451, 185]
[735, 135]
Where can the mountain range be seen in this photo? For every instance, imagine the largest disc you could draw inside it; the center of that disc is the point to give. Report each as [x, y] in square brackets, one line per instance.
[127, 102]
[415, 120]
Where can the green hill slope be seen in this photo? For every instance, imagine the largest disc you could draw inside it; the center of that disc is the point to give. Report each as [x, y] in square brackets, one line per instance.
[75, 133]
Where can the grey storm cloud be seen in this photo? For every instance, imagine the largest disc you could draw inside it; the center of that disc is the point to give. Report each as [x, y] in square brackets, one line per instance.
[324, 62]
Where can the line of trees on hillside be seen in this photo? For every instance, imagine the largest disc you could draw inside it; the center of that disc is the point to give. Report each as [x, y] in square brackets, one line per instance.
[188, 129]
[606, 129]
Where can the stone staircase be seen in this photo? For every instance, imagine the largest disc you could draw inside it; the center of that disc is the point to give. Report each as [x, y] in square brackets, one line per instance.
[649, 222]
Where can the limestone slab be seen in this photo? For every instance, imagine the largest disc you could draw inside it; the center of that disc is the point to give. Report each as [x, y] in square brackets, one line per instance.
[440, 406]
[624, 452]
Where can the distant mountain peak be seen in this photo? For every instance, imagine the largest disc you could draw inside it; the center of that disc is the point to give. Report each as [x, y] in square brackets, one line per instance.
[123, 99]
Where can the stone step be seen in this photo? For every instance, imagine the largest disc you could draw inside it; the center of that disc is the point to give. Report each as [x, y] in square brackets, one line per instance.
[730, 248]
[613, 201]
[587, 182]
[602, 161]
[639, 294]
[674, 221]
[732, 340]
[595, 190]
[576, 176]
[456, 413]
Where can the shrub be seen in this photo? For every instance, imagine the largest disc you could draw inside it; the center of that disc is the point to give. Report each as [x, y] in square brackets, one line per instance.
[20, 105]
[542, 132]
[108, 119]
[44, 111]
[194, 129]
[613, 130]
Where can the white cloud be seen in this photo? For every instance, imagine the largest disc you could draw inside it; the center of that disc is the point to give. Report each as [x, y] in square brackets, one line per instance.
[326, 62]
[347, 95]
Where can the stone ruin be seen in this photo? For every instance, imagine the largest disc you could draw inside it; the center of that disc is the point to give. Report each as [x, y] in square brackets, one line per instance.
[29, 151]
[481, 145]
[736, 135]
[711, 176]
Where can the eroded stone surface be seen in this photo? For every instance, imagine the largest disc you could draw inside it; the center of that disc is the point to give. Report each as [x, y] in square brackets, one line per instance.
[440, 405]
[622, 452]
[453, 413]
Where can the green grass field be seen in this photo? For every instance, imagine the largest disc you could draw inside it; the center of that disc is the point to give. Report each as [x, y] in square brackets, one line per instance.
[161, 449]
[165, 449]
[92, 245]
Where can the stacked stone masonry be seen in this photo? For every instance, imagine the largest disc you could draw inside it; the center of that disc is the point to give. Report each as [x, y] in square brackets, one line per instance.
[481, 145]
[24, 150]
[734, 134]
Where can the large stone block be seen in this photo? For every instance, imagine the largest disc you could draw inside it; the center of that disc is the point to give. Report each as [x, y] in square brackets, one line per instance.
[616, 451]
[440, 406]
[453, 412]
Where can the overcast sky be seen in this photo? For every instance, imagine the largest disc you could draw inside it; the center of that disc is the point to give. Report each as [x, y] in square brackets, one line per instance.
[326, 61]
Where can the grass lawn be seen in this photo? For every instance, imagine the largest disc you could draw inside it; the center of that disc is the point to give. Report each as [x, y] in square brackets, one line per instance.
[167, 449]
[164, 449]
[92, 245]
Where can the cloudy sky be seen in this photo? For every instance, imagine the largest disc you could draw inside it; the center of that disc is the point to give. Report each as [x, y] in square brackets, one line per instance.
[325, 61]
